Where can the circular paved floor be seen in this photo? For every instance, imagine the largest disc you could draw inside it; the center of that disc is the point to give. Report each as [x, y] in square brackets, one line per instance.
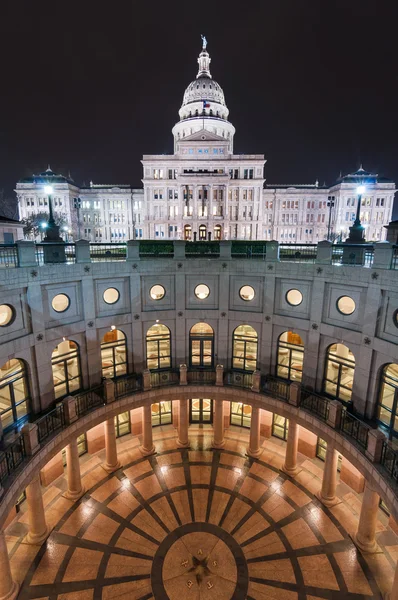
[199, 524]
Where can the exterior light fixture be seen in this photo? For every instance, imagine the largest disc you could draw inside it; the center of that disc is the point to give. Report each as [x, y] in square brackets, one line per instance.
[48, 189]
[361, 189]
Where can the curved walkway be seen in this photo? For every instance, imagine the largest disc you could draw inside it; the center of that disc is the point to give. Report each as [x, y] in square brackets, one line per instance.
[284, 544]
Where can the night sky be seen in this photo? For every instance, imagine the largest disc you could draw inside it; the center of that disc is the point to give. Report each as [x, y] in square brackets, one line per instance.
[91, 86]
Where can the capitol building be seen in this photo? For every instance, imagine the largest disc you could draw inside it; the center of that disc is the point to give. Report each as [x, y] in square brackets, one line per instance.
[196, 421]
[205, 191]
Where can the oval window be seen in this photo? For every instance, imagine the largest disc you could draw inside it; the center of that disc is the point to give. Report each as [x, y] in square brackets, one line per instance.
[157, 292]
[247, 292]
[111, 295]
[202, 291]
[346, 305]
[60, 302]
[294, 297]
[7, 315]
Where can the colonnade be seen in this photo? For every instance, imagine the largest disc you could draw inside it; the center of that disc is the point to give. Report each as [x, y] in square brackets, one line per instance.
[364, 538]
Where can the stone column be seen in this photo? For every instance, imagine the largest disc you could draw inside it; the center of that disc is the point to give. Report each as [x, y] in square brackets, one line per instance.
[75, 488]
[393, 594]
[365, 537]
[218, 426]
[327, 494]
[111, 460]
[254, 443]
[147, 447]
[183, 423]
[38, 530]
[290, 465]
[8, 587]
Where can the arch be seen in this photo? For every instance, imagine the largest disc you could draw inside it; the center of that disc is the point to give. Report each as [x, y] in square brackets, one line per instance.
[339, 372]
[187, 232]
[244, 348]
[202, 232]
[158, 347]
[15, 397]
[387, 405]
[114, 354]
[66, 369]
[290, 356]
[217, 232]
[201, 346]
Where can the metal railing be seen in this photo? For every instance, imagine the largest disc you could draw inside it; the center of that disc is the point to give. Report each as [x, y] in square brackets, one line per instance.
[201, 376]
[276, 387]
[160, 249]
[11, 458]
[394, 259]
[298, 252]
[242, 249]
[160, 378]
[353, 254]
[55, 253]
[103, 252]
[9, 255]
[314, 403]
[50, 423]
[128, 385]
[89, 400]
[354, 428]
[389, 461]
[204, 248]
[238, 379]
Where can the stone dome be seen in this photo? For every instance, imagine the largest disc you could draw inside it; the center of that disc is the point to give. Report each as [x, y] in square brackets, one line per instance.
[204, 88]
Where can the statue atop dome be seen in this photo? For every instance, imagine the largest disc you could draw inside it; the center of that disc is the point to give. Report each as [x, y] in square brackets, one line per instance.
[204, 40]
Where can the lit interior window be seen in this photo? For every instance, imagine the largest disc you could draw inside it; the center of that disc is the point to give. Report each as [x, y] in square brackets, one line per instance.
[294, 297]
[346, 305]
[6, 315]
[247, 292]
[60, 302]
[202, 291]
[111, 295]
[157, 292]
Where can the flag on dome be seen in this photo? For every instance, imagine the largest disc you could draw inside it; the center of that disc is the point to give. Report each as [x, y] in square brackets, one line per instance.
[206, 104]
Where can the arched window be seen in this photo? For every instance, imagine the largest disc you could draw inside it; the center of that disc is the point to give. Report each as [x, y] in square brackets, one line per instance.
[202, 232]
[217, 232]
[244, 348]
[339, 372]
[201, 345]
[65, 362]
[14, 392]
[187, 232]
[241, 414]
[388, 399]
[290, 356]
[114, 354]
[158, 347]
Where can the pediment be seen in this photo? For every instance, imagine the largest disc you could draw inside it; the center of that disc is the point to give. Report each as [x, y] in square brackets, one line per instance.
[203, 136]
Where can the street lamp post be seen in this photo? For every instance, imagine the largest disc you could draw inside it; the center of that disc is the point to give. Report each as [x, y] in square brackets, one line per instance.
[357, 231]
[52, 229]
[330, 205]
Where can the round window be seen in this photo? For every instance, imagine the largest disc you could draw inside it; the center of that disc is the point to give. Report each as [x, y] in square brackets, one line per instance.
[7, 315]
[157, 292]
[395, 317]
[202, 291]
[111, 295]
[60, 302]
[247, 292]
[345, 305]
[294, 297]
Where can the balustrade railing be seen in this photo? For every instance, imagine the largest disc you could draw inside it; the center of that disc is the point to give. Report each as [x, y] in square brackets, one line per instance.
[394, 259]
[89, 400]
[156, 249]
[254, 249]
[354, 428]
[103, 252]
[276, 387]
[128, 385]
[50, 423]
[314, 403]
[389, 460]
[298, 252]
[11, 458]
[238, 379]
[201, 376]
[160, 378]
[353, 254]
[204, 248]
[8, 255]
[55, 253]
